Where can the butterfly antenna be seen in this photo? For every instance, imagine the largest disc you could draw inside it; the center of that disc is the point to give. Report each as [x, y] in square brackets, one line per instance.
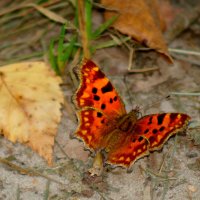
[148, 106]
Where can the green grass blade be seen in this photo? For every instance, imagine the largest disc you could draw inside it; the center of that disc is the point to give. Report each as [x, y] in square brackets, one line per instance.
[41, 1]
[88, 18]
[61, 42]
[76, 15]
[69, 49]
[103, 27]
[109, 43]
[60, 58]
[52, 57]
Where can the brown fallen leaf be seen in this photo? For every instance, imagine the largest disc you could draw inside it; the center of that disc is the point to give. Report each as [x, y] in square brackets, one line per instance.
[138, 20]
[30, 105]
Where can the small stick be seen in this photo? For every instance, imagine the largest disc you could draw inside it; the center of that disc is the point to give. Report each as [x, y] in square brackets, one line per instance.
[187, 52]
[143, 70]
[28, 171]
[185, 93]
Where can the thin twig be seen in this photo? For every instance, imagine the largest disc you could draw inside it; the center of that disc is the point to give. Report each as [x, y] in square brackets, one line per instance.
[143, 70]
[172, 50]
[157, 175]
[62, 150]
[185, 93]
[161, 167]
[185, 52]
[28, 171]
[130, 60]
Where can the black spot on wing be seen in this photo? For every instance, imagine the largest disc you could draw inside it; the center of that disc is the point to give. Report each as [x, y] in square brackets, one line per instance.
[162, 128]
[107, 88]
[146, 131]
[96, 98]
[140, 139]
[150, 120]
[155, 131]
[94, 90]
[103, 106]
[99, 114]
[160, 118]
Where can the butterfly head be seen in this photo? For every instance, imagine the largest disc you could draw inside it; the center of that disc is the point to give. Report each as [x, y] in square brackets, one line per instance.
[136, 112]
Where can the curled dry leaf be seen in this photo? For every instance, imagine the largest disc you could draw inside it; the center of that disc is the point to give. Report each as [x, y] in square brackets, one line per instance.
[138, 20]
[30, 105]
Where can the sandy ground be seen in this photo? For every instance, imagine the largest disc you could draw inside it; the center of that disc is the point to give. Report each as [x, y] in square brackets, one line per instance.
[171, 173]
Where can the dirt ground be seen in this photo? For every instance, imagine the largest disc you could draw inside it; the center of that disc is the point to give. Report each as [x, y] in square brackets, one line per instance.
[171, 173]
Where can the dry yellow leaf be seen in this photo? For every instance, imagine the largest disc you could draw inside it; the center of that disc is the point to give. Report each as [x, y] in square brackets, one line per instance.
[30, 102]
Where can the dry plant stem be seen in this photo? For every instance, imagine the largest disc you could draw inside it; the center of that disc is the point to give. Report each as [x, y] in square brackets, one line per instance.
[184, 52]
[172, 50]
[132, 51]
[70, 159]
[177, 53]
[62, 150]
[29, 26]
[17, 7]
[28, 171]
[115, 35]
[82, 26]
[157, 175]
[143, 70]
[130, 63]
[45, 11]
[185, 93]
[162, 164]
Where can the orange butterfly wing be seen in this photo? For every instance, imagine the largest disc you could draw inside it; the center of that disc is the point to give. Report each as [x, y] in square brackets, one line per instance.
[97, 91]
[149, 134]
[99, 103]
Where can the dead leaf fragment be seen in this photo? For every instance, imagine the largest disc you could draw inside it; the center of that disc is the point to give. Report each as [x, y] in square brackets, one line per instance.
[136, 20]
[30, 105]
[192, 188]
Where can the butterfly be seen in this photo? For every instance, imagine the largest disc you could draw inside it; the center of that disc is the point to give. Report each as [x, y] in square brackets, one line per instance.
[104, 123]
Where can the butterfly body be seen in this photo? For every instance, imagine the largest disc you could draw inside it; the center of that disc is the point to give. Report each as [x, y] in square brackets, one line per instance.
[104, 123]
